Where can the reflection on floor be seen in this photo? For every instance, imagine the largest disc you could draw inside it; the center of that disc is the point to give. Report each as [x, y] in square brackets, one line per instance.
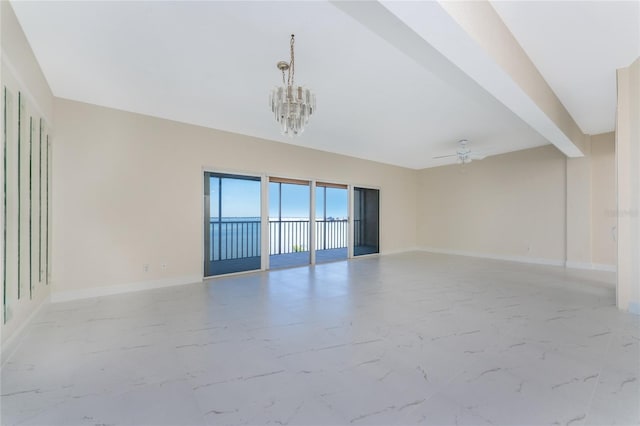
[362, 250]
[400, 339]
[278, 261]
[331, 255]
[221, 267]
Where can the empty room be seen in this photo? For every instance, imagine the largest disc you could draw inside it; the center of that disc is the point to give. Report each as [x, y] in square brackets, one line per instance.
[320, 213]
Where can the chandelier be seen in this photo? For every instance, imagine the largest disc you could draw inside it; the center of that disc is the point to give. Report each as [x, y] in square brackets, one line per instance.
[291, 105]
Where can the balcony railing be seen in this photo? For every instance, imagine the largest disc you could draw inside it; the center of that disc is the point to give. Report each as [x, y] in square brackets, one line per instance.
[234, 240]
[358, 232]
[331, 234]
[241, 239]
[288, 236]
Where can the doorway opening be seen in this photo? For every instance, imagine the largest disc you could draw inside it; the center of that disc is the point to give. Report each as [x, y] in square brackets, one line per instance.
[232, 223]
[366, 221]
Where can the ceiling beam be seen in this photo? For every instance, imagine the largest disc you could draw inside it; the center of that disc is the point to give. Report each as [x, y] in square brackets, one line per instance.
[482, 55]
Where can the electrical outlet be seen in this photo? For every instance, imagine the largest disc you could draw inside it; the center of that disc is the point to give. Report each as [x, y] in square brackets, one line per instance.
[145, 267]
[164, 266]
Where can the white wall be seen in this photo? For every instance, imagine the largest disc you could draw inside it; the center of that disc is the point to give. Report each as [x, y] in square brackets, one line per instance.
[127, 191]
[21, 63]
[20, 72]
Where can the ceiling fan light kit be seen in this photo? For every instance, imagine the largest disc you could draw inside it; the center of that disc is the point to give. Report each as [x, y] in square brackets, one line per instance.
[292, 105]
[463, 154]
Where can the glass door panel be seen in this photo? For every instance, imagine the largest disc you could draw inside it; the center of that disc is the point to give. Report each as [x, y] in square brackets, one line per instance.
[289, 230]
[232, 223]
[331, 222]
[366, 221]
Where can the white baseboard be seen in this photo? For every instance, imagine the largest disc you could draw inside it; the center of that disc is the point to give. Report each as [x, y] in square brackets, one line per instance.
[591, 266]
[519, 259]
[65, 296]
[604, 267]
[9, 347]
[400, 251]
[524, 259]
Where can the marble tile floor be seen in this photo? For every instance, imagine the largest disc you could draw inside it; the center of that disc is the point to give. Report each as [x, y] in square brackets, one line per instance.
[414, 338]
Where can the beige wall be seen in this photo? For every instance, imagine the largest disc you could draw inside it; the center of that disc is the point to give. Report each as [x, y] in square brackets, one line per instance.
[533, 205]
[510, 205]
[578, 236]
[20, 72]
[128, 192]
[603, 199]
[591, 205]
[628, 187]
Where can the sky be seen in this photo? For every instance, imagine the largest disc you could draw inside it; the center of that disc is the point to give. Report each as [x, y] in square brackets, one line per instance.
[241, 198]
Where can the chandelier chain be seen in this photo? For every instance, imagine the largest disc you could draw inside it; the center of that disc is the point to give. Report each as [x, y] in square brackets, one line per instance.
[292, 64]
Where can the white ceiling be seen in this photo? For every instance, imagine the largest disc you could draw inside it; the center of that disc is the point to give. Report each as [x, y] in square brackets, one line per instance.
[213, 64]
[577, 47]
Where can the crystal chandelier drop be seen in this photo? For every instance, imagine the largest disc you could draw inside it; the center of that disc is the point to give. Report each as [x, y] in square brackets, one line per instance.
[291, 105]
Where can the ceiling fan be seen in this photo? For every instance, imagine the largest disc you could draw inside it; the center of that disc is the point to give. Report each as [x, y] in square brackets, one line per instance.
[464, 153]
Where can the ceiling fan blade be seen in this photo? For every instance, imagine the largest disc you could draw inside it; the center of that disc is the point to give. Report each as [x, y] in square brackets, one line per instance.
[483, 154]
[445, 156]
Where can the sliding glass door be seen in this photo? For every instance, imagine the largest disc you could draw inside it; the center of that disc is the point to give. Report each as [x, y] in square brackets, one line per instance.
[332, 225]
[289, 223]
[366, 221]
[232, 223]
[233, 215]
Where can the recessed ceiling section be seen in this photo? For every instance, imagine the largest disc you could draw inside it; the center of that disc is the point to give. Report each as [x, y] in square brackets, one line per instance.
[213, 64]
